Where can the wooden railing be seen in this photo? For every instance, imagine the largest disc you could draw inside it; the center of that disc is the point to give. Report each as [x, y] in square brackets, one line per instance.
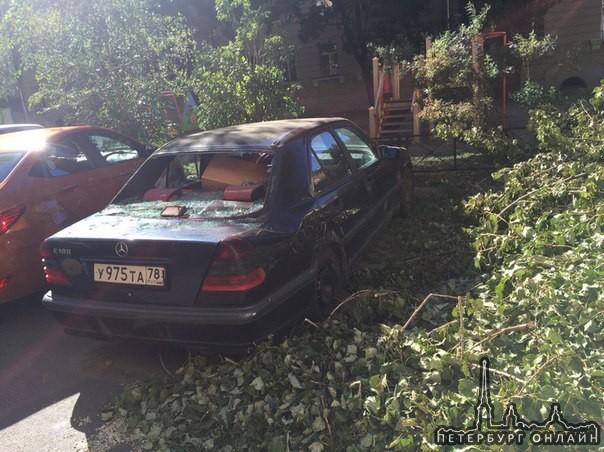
[376, 111]
[415, 109]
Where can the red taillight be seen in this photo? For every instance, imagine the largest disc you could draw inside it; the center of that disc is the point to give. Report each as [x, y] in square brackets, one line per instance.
[234, 283]
[232, 249]
[10, 217]
[233, 268]
[4, 283]
[53, 275]
[45, 250]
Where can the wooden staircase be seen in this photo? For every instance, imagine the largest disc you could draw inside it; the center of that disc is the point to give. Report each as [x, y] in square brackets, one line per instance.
[397, 121]
[393, 119]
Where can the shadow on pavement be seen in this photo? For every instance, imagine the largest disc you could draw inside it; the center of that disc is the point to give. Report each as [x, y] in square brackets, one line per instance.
[53, 386]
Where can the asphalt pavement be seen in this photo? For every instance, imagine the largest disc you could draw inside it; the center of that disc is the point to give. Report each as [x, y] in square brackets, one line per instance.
[53, 386]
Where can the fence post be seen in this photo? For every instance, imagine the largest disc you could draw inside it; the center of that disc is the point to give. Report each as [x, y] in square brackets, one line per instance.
[376, 77]
[372, 133]
[416, 130]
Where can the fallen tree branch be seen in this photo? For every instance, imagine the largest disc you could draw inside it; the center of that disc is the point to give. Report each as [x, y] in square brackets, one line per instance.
[499, 372]
[421, 306]
[161, 361]
[536, 374]
[500, 331]
[311, 322]
[444, 325]
[532, 192]
[358, 295]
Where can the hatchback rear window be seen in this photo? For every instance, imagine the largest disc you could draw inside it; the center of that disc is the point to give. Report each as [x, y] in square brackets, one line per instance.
[197, 185]
[8, 160]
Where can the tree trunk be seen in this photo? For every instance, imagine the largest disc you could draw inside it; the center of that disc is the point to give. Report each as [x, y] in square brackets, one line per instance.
[355, 38]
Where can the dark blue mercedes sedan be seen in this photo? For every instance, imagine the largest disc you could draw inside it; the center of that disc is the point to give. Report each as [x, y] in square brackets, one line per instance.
[225, 237]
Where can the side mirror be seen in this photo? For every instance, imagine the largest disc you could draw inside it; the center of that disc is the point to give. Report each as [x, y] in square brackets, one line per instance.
[388, 152]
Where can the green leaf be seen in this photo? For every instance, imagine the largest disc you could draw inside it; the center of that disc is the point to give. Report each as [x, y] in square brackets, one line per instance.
[318, 424]
[257, 384]
[467, 388]
[367, 440]
[294, 381]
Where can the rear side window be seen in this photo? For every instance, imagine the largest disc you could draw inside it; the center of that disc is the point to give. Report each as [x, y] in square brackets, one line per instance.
[113, 150]
[8, 160]
[201, 185]
[61, 159]
[359, 149]
[332, 163]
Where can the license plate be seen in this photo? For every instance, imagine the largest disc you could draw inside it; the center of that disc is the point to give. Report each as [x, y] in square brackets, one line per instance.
[130, 274]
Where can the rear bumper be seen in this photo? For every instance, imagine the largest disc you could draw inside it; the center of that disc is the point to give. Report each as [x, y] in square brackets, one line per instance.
[225, 329]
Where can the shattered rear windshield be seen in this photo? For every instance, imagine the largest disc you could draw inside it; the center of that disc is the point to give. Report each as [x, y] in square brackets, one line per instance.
[8, 160]
[197, 185]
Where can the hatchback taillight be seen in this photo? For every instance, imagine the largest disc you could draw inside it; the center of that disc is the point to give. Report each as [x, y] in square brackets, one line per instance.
[52, 273]
[4, 282]
[9, 217]
[234, 268]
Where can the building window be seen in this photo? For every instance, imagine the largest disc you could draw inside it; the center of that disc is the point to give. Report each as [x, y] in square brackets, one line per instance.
[328, 59]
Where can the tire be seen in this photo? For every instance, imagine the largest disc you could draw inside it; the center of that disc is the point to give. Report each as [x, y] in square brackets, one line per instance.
[406, 206]
[328, 291]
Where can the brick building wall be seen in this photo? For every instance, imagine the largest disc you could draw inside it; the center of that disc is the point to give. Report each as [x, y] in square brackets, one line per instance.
[578, 24]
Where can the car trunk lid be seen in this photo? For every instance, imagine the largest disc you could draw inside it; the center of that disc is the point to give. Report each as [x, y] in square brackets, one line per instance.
[153, 261]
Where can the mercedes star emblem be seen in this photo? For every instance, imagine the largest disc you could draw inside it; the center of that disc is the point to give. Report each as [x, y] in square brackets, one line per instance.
[121, 249]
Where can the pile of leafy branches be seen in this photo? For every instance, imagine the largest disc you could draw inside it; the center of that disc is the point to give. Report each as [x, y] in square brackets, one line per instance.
[385, 374]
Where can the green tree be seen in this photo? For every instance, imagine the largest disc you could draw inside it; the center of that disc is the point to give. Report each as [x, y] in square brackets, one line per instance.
[455, 75]
[101, 63]
[8, 72]
[243, 81]
[529, 50]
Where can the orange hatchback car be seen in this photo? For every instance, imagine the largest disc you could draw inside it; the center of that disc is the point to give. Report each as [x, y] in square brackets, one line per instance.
[49, 179]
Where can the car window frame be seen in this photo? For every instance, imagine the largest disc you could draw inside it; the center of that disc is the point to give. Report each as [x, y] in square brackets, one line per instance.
[40, 168]
[347, 152]
[83, 139]
[15, 163]
[333, 184]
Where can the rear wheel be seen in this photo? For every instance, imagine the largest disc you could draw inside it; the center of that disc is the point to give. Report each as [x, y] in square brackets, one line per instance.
[407, 195]
[328, 286]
